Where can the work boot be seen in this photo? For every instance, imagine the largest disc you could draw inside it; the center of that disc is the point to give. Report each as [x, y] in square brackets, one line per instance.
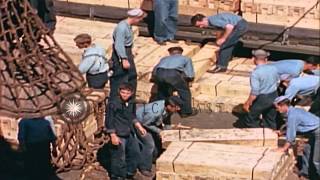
[146, 173]
[217, 70]
[173, 41]
[161, 43]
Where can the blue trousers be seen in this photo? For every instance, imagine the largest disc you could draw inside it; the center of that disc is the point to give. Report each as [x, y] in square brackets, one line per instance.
[124, 158]
[226, 49]
[147, 151]
[262, 105]
[121, 75]
[166, 17]
[311, 156]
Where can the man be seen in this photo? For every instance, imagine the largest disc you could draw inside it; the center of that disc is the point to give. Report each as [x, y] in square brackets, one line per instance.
[124, 69]
[233, 26]
[35, 136]
[152, 117]
[264, 81]
[46, 12]
[307, 124]
[120, 123]
[166, 17]
[93, 62]
[295, 67]
[173, 73]
[301, 86]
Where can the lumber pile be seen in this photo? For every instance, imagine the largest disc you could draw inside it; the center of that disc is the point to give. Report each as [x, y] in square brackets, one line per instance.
[251, 137]
[9, 128]
[282, 12]
[196, 160]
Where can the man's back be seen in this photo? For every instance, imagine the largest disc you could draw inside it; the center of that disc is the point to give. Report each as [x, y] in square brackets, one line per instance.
[289, 66]
[264, 79]
[177, 62]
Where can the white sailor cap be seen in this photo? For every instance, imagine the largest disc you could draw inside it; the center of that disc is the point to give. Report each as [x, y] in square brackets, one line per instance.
[135, 12]
[280, 99]
[260, 53]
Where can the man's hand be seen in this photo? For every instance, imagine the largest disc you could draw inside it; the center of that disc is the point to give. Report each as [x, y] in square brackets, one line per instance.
[220, 41]
[115, 140]
[125, 64]
[246, 106]
[279, 133]
[142, 130]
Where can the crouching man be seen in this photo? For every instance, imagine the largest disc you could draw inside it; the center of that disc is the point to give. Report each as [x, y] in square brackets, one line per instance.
[121, 123]
[93, 62]
[151, 117]
[307, 124]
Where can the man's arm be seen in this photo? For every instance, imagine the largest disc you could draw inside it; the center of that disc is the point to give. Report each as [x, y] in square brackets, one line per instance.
[228, 30]
[119, 43]
[255, 86]
[291, 92]
[189, 71]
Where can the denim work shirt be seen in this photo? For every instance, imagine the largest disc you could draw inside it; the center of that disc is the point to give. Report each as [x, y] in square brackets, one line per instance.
[151, 115]
[222, 19]
[300, 120]
[93, 60]
[177, 62]
[122, 38]
[264, 80]
[293, 67]
[120, 117]
[304, 85]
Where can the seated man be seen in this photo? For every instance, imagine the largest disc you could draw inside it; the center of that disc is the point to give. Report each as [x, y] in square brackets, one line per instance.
[152, 117]
[300, 87]
[93, 62]
[173, 73]
[307, 124]
[121, 123]
[264, 82]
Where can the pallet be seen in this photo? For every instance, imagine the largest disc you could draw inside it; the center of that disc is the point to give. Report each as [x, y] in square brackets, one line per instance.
[195, 160]
[256, 137]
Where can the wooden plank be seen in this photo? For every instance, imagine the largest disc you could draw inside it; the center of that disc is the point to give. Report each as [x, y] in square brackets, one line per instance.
[164, 162]
[257, 137]
[202, 60]
[231, 89]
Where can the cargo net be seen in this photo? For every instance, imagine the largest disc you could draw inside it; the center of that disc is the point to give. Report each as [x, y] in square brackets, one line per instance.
[35, 73]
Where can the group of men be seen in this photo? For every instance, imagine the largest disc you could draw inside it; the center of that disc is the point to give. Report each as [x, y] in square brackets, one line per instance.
[265, 99]
[133, 131]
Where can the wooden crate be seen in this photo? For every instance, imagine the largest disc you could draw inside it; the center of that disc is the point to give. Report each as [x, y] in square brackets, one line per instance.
[9, 128]
[187, 160]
